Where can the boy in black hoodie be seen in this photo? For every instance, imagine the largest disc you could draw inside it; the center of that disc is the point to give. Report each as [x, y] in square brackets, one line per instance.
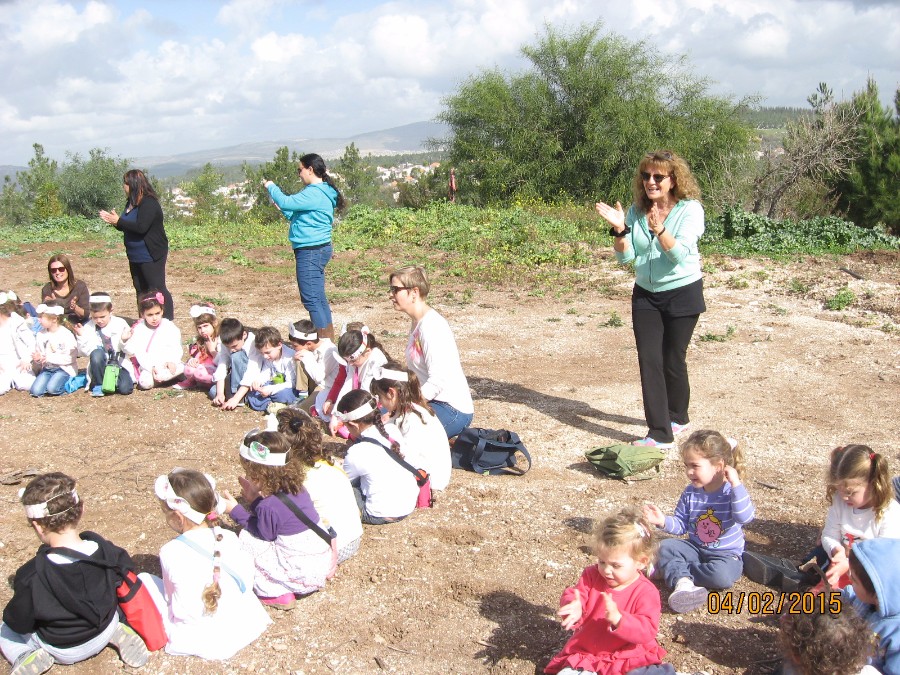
[63, 609]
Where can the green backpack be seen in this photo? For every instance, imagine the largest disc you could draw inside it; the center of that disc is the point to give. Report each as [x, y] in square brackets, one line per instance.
[623, 461]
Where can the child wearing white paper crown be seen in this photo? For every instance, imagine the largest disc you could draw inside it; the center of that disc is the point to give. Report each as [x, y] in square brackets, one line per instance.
[55, 353]
[64, 609]
[206, 594]
[16, 346]
[272, 371]
[363, 355]
[317, 360]
[101, 339]
[201, 364]
[292, 549]
[155, 345]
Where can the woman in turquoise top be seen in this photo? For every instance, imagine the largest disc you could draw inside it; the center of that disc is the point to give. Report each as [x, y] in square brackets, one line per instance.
[311, 214]
[660, 233]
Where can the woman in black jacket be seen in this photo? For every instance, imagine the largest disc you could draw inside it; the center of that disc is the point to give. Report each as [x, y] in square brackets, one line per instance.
[145, 237]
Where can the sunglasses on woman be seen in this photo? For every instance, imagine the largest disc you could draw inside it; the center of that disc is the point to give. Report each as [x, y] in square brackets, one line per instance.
[657, 177]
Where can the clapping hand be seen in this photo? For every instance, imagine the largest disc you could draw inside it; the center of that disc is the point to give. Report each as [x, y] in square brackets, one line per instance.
[615, 216]
[110, 217]
[571, 613]
[612, 613]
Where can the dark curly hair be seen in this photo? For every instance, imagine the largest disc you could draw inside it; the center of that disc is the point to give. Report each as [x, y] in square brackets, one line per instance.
[55, 489]
[823, 643]
[304, 435]
[274, 479]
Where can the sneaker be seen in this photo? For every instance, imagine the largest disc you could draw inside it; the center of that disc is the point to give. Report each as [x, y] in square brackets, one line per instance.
[32, 663]
[97, 391]
[686, 597]
[650, 443]
[130, 646]
[680, 428]
[285, 601]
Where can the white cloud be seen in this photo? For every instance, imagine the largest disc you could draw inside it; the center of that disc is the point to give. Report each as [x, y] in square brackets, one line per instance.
[47, 25]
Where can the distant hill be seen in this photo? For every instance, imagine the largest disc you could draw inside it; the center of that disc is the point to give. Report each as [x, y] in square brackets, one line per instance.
[403, 139]
[9, 170]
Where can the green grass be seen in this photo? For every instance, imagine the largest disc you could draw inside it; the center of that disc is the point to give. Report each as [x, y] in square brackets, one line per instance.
[841, 300]
[614, 321]
[718, 337]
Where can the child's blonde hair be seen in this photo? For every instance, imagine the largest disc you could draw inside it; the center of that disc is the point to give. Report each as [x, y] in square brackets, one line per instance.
[626, 529]
[715, 447]
[860, 462]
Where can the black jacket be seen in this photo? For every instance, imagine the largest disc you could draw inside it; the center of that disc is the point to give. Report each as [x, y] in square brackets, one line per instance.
[68, 604]
[149, 227]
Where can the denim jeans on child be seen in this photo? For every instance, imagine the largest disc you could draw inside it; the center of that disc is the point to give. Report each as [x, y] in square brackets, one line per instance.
[50, 381]
[679, 558]
[450, 418]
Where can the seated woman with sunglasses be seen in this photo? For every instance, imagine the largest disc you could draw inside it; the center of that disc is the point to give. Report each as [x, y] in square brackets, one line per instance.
[660, 233]
[65, 290]
[431, 352]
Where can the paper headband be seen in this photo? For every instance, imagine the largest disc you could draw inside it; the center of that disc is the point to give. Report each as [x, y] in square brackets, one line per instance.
[258, 453]
[200, 310]
[366, 408]
[382, 373]
[363, 347]
[42, 510]
[49, 309]
[641, 531]
[6, 296]
[299, 335]
[166, 492]
[98, 298]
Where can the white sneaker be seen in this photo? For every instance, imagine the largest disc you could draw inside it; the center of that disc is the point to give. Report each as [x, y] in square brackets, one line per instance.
[686, 597]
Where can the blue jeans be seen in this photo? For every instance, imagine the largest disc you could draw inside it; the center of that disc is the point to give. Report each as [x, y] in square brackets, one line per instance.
[259, 402]
[50, 381]
[450, 418]
[678, 558]
[99, 359]
[311, 282]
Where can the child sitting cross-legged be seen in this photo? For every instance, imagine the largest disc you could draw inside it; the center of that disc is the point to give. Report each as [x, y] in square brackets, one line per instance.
[273, 372]
[64, 609]
[614, 610]
[101, 340]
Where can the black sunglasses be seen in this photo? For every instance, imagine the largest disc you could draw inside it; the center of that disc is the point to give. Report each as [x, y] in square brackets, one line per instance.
[658, 177]
[397, 289]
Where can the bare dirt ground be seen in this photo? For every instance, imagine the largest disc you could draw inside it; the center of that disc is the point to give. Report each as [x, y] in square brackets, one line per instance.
[472, 585]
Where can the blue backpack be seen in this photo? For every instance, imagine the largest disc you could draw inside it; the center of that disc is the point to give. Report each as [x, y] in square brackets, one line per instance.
[490, 452]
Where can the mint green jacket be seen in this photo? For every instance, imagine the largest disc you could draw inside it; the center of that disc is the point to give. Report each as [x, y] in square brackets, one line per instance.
[657, 270]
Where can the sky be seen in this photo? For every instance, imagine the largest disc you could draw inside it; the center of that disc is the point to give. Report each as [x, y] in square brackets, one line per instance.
[141, 78]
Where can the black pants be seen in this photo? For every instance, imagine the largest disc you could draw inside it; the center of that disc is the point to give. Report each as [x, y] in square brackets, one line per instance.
[152, 276]
[662, 343]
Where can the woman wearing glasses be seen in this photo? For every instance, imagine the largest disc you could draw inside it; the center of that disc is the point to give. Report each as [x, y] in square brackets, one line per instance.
[311, 214]
[146, 243]
[660, 233]
[431, 351]
[65, 290]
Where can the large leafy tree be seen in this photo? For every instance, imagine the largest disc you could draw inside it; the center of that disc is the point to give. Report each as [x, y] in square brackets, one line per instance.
[282, 169]
[40, 185]
[869, 192]
[575, 124]
[88, 185]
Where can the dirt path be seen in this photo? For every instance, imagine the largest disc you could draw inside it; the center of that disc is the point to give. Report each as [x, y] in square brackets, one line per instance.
[472, 586]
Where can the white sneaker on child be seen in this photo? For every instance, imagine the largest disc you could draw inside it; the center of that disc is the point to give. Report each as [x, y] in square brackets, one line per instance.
[686, 597]
[32, 663]
[132, 650]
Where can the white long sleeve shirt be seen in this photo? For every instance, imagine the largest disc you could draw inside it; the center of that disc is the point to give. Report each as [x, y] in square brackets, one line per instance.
[432, 355]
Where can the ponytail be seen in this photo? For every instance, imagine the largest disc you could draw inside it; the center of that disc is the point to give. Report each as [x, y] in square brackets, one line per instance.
[395, 447]
[317, 164]
[213, 591]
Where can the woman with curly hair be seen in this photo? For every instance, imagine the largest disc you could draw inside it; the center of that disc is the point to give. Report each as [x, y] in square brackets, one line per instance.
[659, 233]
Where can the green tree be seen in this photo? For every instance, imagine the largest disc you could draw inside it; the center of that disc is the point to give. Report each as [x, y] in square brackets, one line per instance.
[86, 186]
[282, 169]
[575, 125]
[358, 176]
[208, 205]
[40, 186]
[14, 209]
[869, 192]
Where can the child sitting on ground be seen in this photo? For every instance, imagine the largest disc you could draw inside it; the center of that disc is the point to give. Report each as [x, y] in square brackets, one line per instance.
[101, 340]
[154, 346]
[327, 484]
[16, 346]
[64, 609]
[55, 351]
[273, 372]
[200, 366]
[316, 359]
[205, 595]
[364, 355]
[712, 510]
[282, 530]
[232, 382]
[875, 595]
[825, 642]
[614, 609]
